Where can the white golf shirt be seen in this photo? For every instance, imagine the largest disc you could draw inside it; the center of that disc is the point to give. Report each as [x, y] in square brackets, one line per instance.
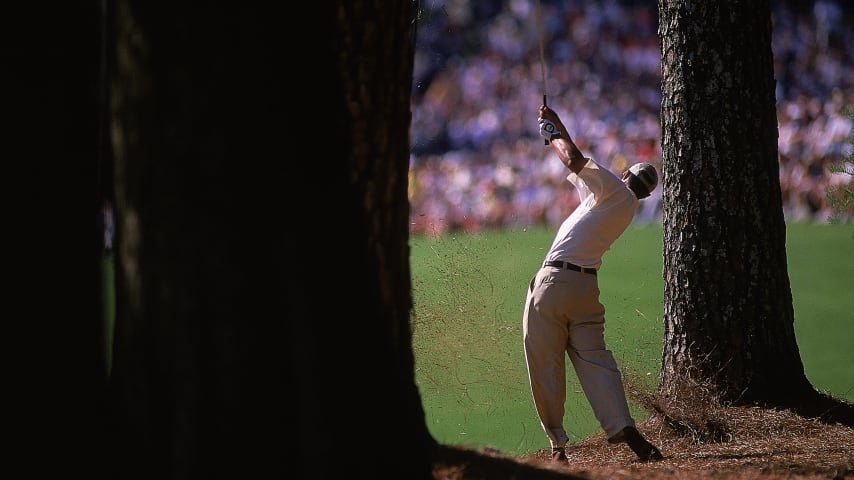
[606, 210]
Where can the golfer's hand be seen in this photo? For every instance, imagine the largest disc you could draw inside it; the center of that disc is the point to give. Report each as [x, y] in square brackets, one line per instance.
[548, 130]
[549, 123]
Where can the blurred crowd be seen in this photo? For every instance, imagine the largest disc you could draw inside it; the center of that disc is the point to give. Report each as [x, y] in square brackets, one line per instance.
[478, 162]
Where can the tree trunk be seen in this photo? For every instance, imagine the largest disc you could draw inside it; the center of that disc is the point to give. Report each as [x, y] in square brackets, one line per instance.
[727, 302]
[54, 383]
[216, 375]
[200, 263]
[352, 302]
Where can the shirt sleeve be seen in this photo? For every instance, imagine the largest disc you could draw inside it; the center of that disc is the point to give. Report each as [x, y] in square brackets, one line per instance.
[595, 180]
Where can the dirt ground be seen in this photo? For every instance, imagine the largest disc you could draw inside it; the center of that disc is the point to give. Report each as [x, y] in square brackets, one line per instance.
[736, 443]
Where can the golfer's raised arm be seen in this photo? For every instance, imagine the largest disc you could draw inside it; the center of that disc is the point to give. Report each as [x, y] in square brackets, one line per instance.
[554, 130]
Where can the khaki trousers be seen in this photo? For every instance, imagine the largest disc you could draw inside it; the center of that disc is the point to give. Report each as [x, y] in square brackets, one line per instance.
[563, 316]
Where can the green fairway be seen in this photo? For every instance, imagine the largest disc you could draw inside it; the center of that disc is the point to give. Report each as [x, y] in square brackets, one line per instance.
[469, 292]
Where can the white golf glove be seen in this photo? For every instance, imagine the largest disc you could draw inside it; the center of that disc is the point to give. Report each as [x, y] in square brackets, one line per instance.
[548, 130]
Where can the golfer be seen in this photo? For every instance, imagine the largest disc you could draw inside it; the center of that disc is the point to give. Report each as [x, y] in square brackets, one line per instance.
[563, 315]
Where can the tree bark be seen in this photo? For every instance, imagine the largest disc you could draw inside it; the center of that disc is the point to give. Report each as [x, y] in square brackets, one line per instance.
[729, 319]
[216, 373]
[358, 330]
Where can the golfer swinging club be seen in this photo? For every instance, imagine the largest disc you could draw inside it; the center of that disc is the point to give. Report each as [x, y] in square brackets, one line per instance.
[563, 314]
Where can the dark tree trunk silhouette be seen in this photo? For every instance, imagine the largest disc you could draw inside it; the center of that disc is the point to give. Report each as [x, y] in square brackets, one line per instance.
[729, 319]
[200, 260]
[54, 383]
[264, 293]
[350, 302]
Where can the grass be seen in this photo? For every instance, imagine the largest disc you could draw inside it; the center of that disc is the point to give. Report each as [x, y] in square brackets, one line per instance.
[469, 290]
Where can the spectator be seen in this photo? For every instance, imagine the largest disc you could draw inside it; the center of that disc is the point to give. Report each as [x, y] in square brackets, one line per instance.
[478, 74]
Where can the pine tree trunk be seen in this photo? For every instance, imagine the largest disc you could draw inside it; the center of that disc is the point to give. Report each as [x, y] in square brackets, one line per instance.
[729, 319]
[264, 294]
